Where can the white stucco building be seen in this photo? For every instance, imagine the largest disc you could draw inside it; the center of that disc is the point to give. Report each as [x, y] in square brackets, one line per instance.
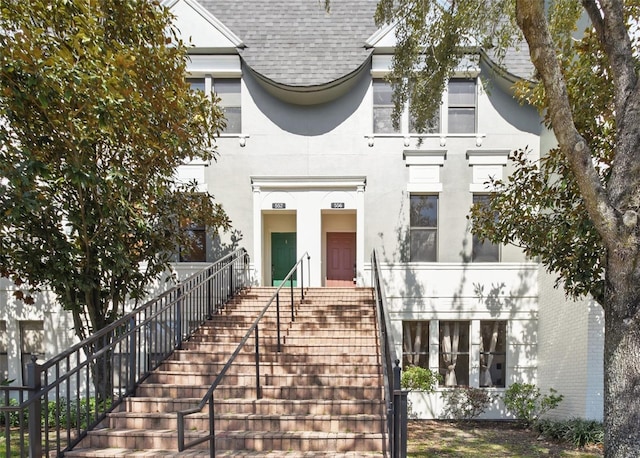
[310, 163]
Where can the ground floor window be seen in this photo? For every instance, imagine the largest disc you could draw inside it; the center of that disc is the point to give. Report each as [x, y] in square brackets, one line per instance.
[492, 353]
[415, 343]
[454, 352]
[195, 249]
[31, 344]
[4, 362]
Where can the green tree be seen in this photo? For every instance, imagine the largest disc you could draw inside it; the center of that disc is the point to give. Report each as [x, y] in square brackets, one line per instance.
[95, 118]
[577, 209]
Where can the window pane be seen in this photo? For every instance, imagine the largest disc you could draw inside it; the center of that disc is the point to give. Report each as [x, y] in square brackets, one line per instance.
[228, 90]
[424, 211]
[432, 127]
[454, 352]
[195, 251]
[31, 344]
[493, 353]
[415, 346]
[483, 251]
[462, 93]
[423, 245]
[4, 363]
[382, 123]
[382, 92]
[382, 107]
[462, 120]
[233, 117]
[197, 84]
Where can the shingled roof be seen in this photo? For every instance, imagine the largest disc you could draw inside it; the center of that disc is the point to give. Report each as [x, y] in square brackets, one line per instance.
[296, 42]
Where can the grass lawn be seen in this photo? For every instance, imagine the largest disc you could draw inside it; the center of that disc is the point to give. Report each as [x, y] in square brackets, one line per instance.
[439, 438]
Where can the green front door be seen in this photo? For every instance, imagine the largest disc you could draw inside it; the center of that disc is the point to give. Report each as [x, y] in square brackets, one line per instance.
[283, 256]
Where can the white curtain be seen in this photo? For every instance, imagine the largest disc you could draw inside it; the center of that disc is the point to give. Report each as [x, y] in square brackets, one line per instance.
[412, 342]
[487, 359]
[450, 341]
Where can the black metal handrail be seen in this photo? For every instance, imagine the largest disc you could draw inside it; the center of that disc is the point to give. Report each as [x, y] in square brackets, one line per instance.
[208, 398]
[395, 397]
[73, 391]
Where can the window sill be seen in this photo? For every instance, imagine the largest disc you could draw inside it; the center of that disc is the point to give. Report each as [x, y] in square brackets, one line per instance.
[408, 137]
[242, 138]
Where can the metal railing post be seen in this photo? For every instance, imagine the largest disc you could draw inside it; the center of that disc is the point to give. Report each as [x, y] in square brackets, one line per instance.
[258, 390]
[212, 428]
[291, 289]
[210, 292]
[133, 348]
[35, 409]
[178, 330]
[278, 320]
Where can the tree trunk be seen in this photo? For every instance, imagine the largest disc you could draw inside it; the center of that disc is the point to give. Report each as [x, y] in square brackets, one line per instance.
[621, 375]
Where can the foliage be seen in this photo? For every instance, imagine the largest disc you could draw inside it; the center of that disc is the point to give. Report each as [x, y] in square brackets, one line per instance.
[465, 403]
[578, 209]
[420, 379]
[61, 414]
[528, 404]
[97, 116]
[578, 431]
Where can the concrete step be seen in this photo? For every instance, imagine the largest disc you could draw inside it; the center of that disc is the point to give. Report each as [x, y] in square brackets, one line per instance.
[203, 365]
[360, 423]
[197, 378]
[268, 391]
[264, 406]
[305, 441]
[130, 453]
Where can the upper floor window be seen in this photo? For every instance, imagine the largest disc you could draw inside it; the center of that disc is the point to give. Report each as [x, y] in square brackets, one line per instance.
[493, 350]
[423, 228]
[483, 250]
[228, 91]
[383, 111]
[462, 106]
[382, 107]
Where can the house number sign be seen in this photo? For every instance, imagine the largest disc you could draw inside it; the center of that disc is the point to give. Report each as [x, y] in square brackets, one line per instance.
[337, 204]
[278, 205]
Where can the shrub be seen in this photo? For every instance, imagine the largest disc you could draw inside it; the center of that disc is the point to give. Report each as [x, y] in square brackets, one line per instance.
[419, 378]
[465, 403]
[527, 404]
[578, 431]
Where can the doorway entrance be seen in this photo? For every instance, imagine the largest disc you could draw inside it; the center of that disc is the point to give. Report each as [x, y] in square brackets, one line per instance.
[283, 256]
[341, 258]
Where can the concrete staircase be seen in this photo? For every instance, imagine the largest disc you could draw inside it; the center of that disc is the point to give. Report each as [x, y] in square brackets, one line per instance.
[321, 395]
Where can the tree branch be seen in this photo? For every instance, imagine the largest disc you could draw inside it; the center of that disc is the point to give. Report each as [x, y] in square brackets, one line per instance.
[531, 19]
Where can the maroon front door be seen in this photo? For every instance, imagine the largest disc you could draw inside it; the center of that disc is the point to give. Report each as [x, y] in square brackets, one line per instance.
[341, 258]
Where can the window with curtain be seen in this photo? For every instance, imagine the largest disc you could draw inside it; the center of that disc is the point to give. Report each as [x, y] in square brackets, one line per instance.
[228, 91]
[483, 250]
[4, 362]
[454, 353]
[493, 353]
[415, 344]
[462, 106]
[31, 344]
[423, 228]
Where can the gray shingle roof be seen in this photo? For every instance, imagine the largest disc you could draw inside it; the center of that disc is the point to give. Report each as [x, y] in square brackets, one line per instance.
[296, 42]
